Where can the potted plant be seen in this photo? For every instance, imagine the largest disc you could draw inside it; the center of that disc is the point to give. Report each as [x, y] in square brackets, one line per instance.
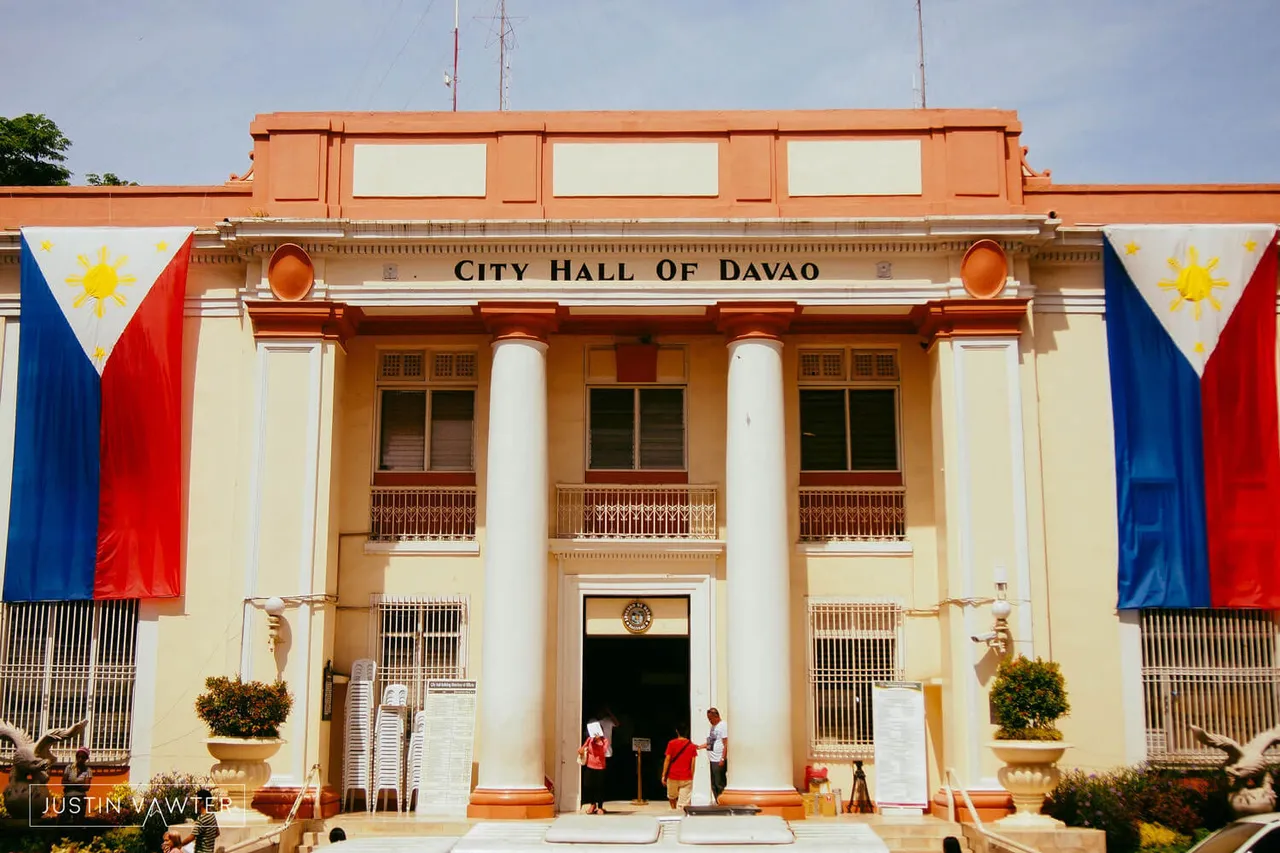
[1028, 697]
[244, 719]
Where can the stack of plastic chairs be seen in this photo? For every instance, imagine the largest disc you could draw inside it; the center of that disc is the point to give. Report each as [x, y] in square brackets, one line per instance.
[388, 746]
[414, 772]
[357, 757]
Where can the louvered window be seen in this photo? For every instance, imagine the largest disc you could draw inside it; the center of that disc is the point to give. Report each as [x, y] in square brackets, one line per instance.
[636, 428]
[850, 429]
[435, 426]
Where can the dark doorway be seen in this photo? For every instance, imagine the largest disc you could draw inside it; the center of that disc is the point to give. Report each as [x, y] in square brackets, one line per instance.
[644, 681]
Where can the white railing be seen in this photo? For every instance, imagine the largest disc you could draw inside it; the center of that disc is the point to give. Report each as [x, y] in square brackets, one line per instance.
[994, 839]
[422, 513]
[1215, 669]
[636, 512]
[853, 514]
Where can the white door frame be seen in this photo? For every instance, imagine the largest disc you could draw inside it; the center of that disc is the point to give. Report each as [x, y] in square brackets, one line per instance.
[574, 589]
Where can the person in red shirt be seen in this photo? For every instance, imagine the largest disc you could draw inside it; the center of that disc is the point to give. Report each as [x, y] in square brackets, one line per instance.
[593, 754]
[677, 769]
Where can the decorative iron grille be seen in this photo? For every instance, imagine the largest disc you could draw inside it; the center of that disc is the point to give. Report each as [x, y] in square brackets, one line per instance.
[852, 645]
[636, 512]
[64, 661]
[1212, 668]
[852, 514]
[422, 513]
[417, 638]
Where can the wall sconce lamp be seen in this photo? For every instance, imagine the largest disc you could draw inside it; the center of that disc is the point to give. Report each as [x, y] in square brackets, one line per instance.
[999, 639]
[275, 610]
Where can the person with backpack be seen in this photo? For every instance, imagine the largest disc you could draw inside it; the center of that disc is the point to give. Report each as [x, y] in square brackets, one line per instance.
[677, 769]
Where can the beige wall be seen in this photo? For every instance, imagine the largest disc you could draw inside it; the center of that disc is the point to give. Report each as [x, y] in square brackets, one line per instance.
[1062, 372]
[1080, 527]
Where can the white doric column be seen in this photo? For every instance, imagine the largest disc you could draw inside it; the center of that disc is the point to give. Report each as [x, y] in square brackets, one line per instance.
[513, 666]
[758, 564]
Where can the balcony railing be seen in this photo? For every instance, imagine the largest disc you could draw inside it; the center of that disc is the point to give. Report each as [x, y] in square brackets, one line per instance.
[422, 514]
[852, 514]
[636, 512]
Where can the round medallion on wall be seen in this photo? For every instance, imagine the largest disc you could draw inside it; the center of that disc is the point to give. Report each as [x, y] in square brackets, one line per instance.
[984, 269]
[637, 617]
[290, 273]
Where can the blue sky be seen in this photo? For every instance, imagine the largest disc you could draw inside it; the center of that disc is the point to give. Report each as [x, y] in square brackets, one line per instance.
[1109, 91]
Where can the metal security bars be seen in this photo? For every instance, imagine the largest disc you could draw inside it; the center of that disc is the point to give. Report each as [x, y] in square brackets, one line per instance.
[64, 661]
[1212, 668]
[417, 638]
[852, 645]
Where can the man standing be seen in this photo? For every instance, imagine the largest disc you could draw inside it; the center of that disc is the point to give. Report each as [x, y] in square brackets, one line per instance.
[76, 779]
[677, 769]
[717, 748]
[205, 833]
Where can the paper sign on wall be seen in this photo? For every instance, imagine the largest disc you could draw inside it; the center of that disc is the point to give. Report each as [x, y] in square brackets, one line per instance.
[902, 775]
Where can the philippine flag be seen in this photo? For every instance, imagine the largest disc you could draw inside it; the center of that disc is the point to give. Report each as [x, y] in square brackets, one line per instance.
[95, 508]
[1191, 333]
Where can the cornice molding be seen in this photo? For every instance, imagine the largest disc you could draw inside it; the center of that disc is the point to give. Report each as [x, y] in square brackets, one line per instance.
[969, 318]
[324, 320]
[195, 306]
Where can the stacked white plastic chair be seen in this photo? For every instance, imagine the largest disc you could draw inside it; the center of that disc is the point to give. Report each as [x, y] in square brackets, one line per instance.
[357, 757]
[388, 747]
[413, 773]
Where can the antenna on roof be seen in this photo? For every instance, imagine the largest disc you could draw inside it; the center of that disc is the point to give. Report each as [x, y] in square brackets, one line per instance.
[453, 82]
[505, 36]
[924, 101]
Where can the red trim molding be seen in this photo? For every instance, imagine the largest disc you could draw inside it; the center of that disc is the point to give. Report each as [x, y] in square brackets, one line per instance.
[787, 803]
[635, 478]
[316, 319]
[528, 321]
[969, 318]
[850, 478]
[500, 804]
[424, 478]
[275, 802]
[991, 805]
[755, 320]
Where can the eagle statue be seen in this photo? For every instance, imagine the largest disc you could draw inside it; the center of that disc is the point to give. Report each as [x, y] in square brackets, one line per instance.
[1244, 764]
[32, 761]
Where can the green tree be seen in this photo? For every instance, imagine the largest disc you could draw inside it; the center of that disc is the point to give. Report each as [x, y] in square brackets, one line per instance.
[31, 152]
[107, 179]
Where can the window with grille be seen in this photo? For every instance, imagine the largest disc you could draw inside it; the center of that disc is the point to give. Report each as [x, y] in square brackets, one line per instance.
[426, 429]
[849, 421]
[416, 639]
[1212, 668]
[64, 661]
[636, 429]
[852, 645]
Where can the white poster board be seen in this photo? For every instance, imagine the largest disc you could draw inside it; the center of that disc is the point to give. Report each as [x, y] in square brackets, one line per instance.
[902, 774]
[445, 785]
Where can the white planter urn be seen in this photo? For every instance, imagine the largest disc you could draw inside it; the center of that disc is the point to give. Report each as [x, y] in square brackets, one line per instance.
[242, 767]
[1029, 773]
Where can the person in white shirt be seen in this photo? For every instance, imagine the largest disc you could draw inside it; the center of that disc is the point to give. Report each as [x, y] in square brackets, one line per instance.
[717, 747]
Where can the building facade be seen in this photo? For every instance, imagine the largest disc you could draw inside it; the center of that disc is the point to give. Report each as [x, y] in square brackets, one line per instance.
[652, 411]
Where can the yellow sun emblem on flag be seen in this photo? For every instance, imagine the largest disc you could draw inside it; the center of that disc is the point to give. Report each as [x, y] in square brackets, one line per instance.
[100, 280]
[1194, 283]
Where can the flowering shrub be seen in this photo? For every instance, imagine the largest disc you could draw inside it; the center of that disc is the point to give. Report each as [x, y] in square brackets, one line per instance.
[1143, 808]
[1028, 697]
[235, 708]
